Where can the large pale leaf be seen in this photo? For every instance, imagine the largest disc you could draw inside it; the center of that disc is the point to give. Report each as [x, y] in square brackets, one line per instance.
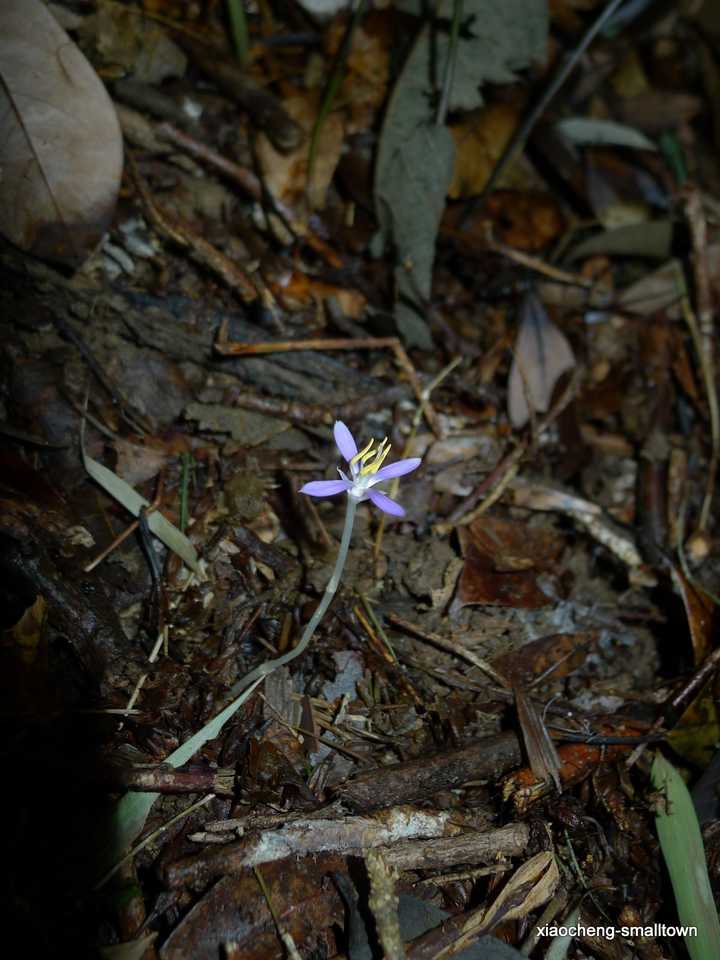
[415, 156]
[61, 146]
[682, 847]
[414, 209]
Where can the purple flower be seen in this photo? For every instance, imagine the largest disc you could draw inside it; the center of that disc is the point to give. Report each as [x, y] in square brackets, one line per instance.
[366, 470]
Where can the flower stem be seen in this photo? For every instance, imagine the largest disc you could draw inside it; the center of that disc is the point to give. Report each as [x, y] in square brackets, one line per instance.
[264, 669]
[133, 808]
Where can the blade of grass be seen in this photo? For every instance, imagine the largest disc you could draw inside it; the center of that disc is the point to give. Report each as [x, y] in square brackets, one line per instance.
[449, 74]
[188, 468]
[682, 847]
[239, 29]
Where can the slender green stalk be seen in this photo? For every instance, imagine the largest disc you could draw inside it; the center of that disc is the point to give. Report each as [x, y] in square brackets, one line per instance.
[449, 75]
[187, 465]
[239, 28]
[333, 85]
[265, 668]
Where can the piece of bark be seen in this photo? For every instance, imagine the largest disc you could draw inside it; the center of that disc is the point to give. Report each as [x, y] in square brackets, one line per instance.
[310, 835]
[162, 778]
[31, 545]
[174, 326]
[420, 779]
[384, 902]
[473, 847]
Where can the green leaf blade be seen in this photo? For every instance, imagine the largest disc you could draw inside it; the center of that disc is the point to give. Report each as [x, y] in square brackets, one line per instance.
[682, 847]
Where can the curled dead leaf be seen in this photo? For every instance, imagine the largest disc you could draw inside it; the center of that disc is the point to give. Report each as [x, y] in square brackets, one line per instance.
[542, 356]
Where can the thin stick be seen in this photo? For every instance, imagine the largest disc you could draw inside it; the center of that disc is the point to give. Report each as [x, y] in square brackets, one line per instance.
[454, 648]
[195, 148]
[122, 537]
[248, 182]
[230, 349]
[285, 935]
[202, 251]
[384, 648]
[317, 343]
[679, 701]
[449, 74]
[705, 342]
[518, 139]
[540, 266]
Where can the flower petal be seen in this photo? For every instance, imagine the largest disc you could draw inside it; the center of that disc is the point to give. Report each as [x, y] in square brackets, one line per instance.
[344, 440]
[385, 503]
[397, 469]
[325, 488]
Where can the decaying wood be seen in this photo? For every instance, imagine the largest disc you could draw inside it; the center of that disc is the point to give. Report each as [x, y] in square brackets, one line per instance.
[79, 607]
[317, 413]
[383, 902]
[162, 778]
[415, 780]
[485, 846]
[305, 836]
[179, 328]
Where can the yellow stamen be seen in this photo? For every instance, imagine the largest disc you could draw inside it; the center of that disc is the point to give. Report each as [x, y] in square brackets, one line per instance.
[372, 462]
[362, 453]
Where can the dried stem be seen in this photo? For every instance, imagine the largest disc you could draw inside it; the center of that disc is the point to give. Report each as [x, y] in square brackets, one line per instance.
[704, 341]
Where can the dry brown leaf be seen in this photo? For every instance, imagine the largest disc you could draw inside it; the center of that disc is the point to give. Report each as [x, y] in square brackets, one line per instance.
[527, 221]
[563, 13]
[613, 207]
[530, 886]
[542, 755]
[138, 462]
[298, 290]
[118, 36]
[480, 138]
[62, 146]
[560, 652]
[367, 69]
[658, 110]
[234, 909]
[502, 560]
[542, 356]
[286, 174]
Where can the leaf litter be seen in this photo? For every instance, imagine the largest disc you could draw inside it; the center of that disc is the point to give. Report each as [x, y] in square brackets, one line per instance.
[508, 714]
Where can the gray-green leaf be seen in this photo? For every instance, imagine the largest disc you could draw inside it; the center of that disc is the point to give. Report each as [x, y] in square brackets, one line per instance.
[133, 502]
[415, 157]
[587, 130]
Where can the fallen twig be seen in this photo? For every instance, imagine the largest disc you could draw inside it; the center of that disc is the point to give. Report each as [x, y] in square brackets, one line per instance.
[230, 349]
